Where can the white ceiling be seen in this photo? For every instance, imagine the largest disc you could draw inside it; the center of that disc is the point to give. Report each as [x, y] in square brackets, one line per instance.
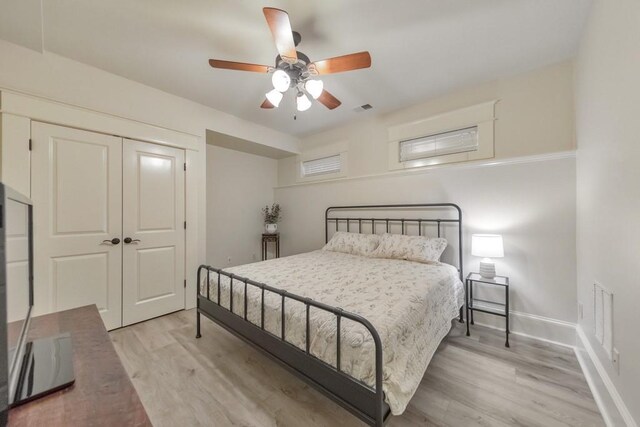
[419, 48]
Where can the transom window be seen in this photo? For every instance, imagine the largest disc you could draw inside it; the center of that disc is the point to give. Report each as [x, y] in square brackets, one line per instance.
[451, 142]
[321, 166]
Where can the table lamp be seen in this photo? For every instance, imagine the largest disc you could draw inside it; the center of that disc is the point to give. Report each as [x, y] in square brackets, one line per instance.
[487, 246]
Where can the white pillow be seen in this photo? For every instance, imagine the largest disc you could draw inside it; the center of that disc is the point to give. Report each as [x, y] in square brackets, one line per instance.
[352, 243]
[411, 248]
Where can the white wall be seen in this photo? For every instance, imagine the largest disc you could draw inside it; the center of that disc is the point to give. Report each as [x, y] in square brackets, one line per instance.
[238, 186]
[608, 185]
[532, 204]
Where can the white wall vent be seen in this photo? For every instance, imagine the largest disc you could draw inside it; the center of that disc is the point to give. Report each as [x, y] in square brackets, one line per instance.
[603, 317]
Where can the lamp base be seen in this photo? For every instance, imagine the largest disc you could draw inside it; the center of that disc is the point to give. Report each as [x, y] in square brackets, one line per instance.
[487, 268]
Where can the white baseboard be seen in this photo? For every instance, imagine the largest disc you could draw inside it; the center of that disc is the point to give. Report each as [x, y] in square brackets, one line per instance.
[611, 405]
[533, 326]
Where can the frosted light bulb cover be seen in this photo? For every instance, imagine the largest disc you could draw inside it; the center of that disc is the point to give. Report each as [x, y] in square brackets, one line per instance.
[314, 87]
[303, 103]
[274, 97]
[281, 81]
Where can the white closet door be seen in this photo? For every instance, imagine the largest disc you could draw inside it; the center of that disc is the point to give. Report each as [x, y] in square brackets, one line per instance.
[77, 194]
[153, 212]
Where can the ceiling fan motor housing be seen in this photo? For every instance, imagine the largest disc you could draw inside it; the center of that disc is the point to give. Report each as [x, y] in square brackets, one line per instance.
[297, 71]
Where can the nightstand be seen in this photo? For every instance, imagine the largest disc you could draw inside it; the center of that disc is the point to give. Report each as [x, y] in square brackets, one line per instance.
[495, 308]
[266, 238]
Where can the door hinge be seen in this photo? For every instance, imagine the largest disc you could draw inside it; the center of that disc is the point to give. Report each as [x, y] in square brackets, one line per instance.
[185, 283]
[30, 144]
[185, 166]
[185, 225]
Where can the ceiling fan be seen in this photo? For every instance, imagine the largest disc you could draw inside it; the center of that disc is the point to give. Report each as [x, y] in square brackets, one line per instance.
[293, 69]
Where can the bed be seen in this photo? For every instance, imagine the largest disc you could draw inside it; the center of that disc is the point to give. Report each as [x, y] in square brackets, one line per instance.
[362, 330]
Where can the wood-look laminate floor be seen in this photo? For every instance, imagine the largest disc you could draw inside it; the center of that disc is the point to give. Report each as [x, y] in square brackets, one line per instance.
[219, 380]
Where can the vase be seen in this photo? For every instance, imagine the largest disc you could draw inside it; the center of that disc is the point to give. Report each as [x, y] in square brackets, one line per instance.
[271, 228]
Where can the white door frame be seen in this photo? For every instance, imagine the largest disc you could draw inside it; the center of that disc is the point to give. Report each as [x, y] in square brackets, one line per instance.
[48, 111]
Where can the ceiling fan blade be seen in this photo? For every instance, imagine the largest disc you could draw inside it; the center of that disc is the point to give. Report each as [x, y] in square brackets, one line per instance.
[240, 66]
[339, 64]
[280, 26]
[328, 100]
[266, 104]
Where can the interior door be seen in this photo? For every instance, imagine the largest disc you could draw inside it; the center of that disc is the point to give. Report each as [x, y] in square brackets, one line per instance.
[154, 235]
[76, 188]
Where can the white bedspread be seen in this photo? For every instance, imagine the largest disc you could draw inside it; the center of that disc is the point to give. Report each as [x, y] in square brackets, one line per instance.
[410, 304]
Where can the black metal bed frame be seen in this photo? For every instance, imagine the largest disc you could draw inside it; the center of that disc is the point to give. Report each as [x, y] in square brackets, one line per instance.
[365, 402]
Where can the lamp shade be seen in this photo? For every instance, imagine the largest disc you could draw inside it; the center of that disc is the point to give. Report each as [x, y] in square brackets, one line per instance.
[487, 245]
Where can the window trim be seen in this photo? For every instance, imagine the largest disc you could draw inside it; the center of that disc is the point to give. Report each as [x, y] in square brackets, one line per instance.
[331, 172]
[481, 116]
[321, 153]
[428, 156]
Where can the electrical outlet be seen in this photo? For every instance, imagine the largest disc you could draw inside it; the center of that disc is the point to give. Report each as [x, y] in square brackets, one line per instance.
[580, 310]
[253, 257]
[228, 260]
[616, 361]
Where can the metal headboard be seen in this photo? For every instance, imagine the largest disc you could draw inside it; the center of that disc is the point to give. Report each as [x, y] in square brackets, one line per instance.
[388, 222]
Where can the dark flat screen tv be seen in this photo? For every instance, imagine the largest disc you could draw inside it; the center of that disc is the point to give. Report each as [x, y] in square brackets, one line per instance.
[28, 368]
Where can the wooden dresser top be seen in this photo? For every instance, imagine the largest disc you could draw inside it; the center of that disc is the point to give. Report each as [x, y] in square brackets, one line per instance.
[102, 394]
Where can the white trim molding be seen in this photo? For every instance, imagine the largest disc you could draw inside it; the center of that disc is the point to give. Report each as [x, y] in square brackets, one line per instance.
[612, 407]
[338, 148]
[49, 111]
[541, 328]
[558, 155]
[481, 116]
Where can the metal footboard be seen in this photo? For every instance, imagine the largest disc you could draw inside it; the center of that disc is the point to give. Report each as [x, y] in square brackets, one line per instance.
[365, 402]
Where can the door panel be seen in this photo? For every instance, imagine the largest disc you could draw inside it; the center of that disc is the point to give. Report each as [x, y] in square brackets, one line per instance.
[153, 201]
[80, 188]
[157, 192]
[70, 289]
[17, 258]
[77, 195]
[157, 272]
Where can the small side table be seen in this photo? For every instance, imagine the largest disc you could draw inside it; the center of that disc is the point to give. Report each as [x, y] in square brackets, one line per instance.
[484, 306]
[266, 238]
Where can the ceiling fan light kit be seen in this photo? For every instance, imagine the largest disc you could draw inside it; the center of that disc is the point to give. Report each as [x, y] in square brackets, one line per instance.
[281, 81]
[314, 87]
[294, 69]
[302, 102]
[274, 96]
